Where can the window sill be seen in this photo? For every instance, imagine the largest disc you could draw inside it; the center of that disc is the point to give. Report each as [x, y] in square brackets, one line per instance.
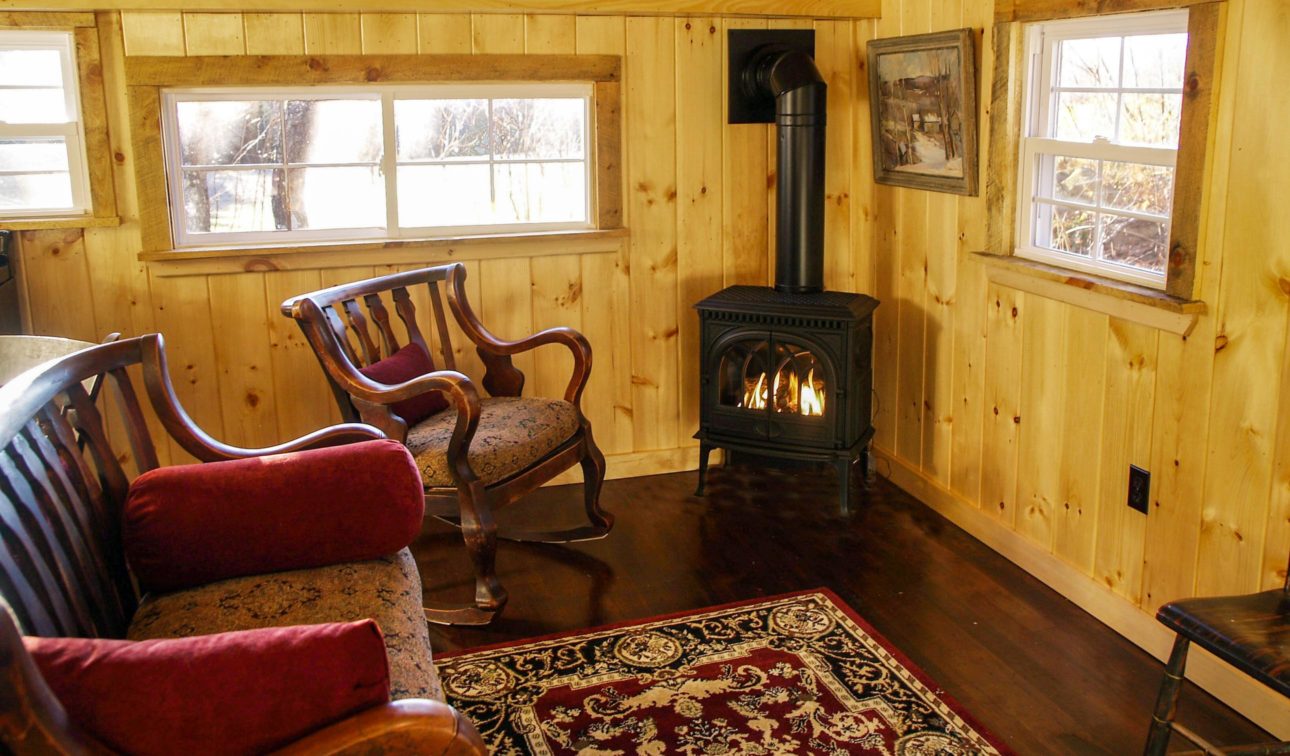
[194, 262]
[41, 224]
[1138, 304]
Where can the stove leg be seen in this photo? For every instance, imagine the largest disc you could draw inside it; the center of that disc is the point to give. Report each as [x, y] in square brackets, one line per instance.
[844, 483]
[704, 451]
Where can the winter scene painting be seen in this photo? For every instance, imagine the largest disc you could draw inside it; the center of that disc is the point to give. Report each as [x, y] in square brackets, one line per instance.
[924, 111]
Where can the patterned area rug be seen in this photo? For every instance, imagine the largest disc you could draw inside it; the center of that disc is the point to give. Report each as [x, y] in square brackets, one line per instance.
[795, 674]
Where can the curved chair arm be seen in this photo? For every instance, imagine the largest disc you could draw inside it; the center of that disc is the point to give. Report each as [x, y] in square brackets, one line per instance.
[194, 440]
[408, 726]
[488, 344]
[31, 718]
[373, 399]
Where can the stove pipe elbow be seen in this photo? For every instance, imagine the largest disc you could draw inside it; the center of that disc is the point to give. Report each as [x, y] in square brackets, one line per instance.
[800, 107]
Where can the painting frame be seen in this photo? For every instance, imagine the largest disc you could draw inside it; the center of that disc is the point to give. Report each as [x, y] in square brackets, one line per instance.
[950, 93]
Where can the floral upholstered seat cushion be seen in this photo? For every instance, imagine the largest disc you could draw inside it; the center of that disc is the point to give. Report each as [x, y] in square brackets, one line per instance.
[513, 433]
[387, 590]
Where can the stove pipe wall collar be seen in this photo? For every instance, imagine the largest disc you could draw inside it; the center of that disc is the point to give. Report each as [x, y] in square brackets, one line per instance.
[773, 78]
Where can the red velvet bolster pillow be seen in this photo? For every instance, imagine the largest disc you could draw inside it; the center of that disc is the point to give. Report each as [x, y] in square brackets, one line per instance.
[401, 367]
[192, 524]
[231, 693]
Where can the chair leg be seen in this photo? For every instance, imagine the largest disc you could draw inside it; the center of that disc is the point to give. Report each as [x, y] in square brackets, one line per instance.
[599, 522]
[1167, 700]
[479, 531]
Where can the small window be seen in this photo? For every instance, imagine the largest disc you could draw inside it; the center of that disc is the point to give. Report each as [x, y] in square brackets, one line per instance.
[42, 154]
[352, 163]
[1100, 141]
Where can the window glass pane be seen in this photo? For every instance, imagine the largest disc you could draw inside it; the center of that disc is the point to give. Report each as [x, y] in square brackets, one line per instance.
[541, 192]
[1066, 229]
[1155, 61]
[1084, 115]
[1133, 242]
[35, 191]
[444, 195]
[1150, 118]
[1134, 186]
[539, 128]
[1074, 179]
[1089, 62]
[230, 201]
[31, 68]
[33, 106]
[230, 132]
[441, 129]
[334, 131]
[33, 155]
[349, 197]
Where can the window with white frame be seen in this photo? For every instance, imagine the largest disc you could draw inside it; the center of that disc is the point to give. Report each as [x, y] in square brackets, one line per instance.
[42, 154]
[254, 166]
[1099, 143]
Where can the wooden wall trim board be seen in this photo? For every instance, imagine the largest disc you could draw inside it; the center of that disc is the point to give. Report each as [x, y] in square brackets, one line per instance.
[1163, 314]
[802, 8]
[1254, 701]
[1205, 27]
[425, 252]
[1045, 10]
[637, 464]
[94, 122]
[146, 75]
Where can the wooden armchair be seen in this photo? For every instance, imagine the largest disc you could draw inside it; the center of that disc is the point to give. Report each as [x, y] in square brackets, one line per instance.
[64, 480]
[479, 453]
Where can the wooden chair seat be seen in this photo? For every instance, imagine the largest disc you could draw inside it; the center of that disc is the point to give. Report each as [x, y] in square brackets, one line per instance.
[387, 590]
[1251, 632]
[513, 433]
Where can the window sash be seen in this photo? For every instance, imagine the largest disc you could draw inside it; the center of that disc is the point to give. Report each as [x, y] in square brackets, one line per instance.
[388, 164]
[71, 130]
[1039, 122]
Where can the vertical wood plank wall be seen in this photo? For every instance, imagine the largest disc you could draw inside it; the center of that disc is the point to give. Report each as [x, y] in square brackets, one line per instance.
[1027, 409]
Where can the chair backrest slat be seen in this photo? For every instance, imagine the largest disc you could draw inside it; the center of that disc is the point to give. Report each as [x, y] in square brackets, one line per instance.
[63, 538]
[358, 325]
[408, 314]
[375, 305]
[342, 334]
[445, 338]
[76, 497]
[27, 540]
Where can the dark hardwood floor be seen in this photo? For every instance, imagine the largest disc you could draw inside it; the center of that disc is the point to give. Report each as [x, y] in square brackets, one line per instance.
[1031, 666]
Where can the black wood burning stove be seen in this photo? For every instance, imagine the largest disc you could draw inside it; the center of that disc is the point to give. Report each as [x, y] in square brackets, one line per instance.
[787, 371]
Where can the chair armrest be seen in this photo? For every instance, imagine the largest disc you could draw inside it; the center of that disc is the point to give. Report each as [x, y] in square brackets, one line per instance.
[503, 379]
[408, 726]
[200, 444]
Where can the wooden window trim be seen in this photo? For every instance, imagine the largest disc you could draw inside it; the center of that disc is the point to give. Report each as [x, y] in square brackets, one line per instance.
[1205, 23]
[94, 120]
[146, 76]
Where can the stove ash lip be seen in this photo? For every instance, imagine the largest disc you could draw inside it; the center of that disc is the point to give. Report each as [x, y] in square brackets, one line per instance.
[801, 95]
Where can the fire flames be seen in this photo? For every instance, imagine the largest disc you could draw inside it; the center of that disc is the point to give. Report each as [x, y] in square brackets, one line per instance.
[792, 396]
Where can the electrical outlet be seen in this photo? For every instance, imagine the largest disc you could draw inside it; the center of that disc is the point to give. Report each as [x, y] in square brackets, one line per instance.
[1139, 488]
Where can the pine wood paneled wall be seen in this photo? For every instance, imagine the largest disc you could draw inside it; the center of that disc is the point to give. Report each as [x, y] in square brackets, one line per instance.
[697, 200]
[1031, 410]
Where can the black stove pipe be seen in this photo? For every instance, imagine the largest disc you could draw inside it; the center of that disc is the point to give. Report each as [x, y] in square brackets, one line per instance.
[800, 106]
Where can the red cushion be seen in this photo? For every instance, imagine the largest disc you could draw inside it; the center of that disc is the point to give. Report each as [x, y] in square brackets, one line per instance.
[400, 367]
[231, 693]
[192, 524]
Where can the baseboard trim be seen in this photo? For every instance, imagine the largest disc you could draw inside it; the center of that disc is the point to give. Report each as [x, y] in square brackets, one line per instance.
[639, 464]
[1256, 702]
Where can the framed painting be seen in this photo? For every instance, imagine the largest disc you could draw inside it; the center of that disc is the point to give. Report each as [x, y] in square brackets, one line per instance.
[922, 97]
